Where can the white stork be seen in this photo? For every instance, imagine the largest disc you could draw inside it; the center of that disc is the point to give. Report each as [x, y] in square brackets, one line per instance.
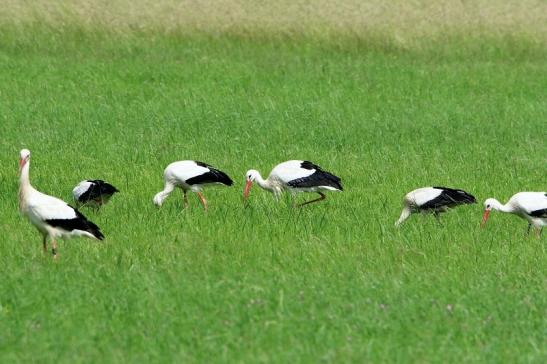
[531, 206]
[295, 176]
[190, 176]
[433, 200]
[50, 215]
[93, 193]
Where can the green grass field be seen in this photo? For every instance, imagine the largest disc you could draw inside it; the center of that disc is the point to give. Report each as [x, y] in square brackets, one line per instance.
[331, 282]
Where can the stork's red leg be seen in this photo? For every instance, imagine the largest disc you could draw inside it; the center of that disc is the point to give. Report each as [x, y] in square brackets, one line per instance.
[316, 200]
[202, 200]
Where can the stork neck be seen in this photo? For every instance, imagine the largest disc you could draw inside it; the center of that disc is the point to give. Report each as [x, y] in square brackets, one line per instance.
[496, 205]
[24, 185]
[24, 178]
[265, 184]
[162, 195]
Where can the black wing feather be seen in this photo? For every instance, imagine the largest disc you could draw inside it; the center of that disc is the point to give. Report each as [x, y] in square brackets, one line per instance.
[539, 213]
[97, 190]
[80, 222]
[318, 178]
[213, 176]
[449, 197]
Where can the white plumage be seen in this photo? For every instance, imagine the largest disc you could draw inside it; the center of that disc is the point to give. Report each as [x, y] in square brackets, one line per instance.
[531, 206]
[190, 176]
[50, 215]
[81, 188]
[420, 196]
[295, 176]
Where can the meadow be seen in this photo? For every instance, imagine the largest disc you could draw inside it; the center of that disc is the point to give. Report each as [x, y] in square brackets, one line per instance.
[385, 108]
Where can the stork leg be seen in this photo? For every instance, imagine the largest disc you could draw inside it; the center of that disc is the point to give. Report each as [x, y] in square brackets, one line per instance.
[44, 243]
[54, 248]
[316, 200]
[202, 200]
[184, 199]
[528, 230]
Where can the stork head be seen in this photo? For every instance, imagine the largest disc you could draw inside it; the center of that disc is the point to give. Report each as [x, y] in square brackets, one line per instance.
[488, 205]
[24, 157]
[251, 176]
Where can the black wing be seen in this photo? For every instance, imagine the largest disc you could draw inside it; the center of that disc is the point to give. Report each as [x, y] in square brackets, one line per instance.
[97, 189]
[213, 176]
[449, 198]
[318, 178]
[539, 213]
[80, 222]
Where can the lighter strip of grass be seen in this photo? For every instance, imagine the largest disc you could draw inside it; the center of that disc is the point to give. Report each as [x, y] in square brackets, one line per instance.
[405, 22]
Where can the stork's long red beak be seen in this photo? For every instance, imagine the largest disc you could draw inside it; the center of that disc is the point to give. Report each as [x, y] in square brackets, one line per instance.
[246, 190]
[485, 217]
[21, 164]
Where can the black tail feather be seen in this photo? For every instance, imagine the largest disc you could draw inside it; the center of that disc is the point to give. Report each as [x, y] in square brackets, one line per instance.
[457, 195]
[91, 227]
[334, 181]
[222, 177]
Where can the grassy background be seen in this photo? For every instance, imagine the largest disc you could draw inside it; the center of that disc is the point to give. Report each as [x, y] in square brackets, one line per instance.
[461, 106]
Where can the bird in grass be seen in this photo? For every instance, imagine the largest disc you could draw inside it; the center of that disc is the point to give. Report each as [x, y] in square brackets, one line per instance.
[190, 176]
[531, 206]
[51, 216]
[295, 176]
[93, 193]
[433, 200]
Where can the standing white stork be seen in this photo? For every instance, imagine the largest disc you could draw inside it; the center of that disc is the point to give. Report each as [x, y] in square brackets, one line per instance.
[93, 193]
[433, 200]
[531, 206]
[295, 176]
[50, 215]
[190, 176]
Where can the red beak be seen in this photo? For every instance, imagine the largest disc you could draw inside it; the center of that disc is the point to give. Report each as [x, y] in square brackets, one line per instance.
[247, 189]
[21, 164]
[485, 217]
